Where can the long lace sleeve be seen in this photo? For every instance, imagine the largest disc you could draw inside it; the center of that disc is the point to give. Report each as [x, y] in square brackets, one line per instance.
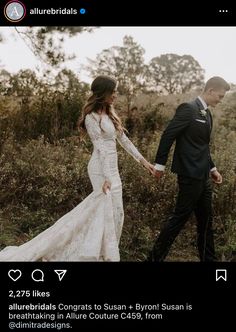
[95, 134]
[129, 146]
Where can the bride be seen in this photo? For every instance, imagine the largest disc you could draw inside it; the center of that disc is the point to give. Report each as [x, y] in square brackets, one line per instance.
[92, 230]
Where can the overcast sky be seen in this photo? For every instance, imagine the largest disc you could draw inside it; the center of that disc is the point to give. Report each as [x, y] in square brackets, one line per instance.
[213, 47]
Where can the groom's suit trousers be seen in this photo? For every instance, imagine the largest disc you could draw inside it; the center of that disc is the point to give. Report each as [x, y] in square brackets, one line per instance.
[194, 196]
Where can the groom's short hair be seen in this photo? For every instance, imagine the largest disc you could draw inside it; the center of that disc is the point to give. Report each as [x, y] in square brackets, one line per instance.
[216, 83]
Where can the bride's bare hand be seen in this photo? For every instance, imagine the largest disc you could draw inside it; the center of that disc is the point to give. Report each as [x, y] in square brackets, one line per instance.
[148, 166]
[152, 169]
[106, 186]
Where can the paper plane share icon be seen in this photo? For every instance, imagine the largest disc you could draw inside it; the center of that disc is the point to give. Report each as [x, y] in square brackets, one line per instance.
[60, 273]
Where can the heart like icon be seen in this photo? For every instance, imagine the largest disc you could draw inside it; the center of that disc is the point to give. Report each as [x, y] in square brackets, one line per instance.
[14, 274]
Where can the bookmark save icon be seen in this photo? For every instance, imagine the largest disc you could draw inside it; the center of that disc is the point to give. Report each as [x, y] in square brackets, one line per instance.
[60, 273]
[221, 274]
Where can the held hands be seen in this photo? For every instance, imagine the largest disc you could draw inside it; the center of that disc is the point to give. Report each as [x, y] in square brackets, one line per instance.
[216, 177]
[148, 166]
[157, 174]
[106, 187]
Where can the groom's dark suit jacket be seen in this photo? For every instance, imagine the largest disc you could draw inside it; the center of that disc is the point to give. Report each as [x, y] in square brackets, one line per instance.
[191, 130]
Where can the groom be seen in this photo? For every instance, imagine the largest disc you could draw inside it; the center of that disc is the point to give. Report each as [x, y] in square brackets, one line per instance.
[190, 129]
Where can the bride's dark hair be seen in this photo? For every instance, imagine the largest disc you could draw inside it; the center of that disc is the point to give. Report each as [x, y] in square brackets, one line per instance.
[101, 87]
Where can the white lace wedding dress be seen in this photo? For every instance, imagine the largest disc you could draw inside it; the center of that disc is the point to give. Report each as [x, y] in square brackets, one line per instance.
[92, 230]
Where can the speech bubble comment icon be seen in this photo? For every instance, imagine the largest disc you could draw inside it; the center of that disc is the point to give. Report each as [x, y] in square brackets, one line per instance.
[37, 275]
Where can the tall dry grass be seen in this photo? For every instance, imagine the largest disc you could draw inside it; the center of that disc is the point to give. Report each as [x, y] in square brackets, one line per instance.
[43, 174]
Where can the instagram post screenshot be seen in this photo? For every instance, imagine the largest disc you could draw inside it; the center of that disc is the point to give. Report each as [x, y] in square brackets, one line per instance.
[117, 165]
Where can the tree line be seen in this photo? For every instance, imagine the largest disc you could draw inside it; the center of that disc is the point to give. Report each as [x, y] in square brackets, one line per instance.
[164, 74]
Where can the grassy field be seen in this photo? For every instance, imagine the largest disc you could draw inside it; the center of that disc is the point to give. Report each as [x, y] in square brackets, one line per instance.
[43, 174]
